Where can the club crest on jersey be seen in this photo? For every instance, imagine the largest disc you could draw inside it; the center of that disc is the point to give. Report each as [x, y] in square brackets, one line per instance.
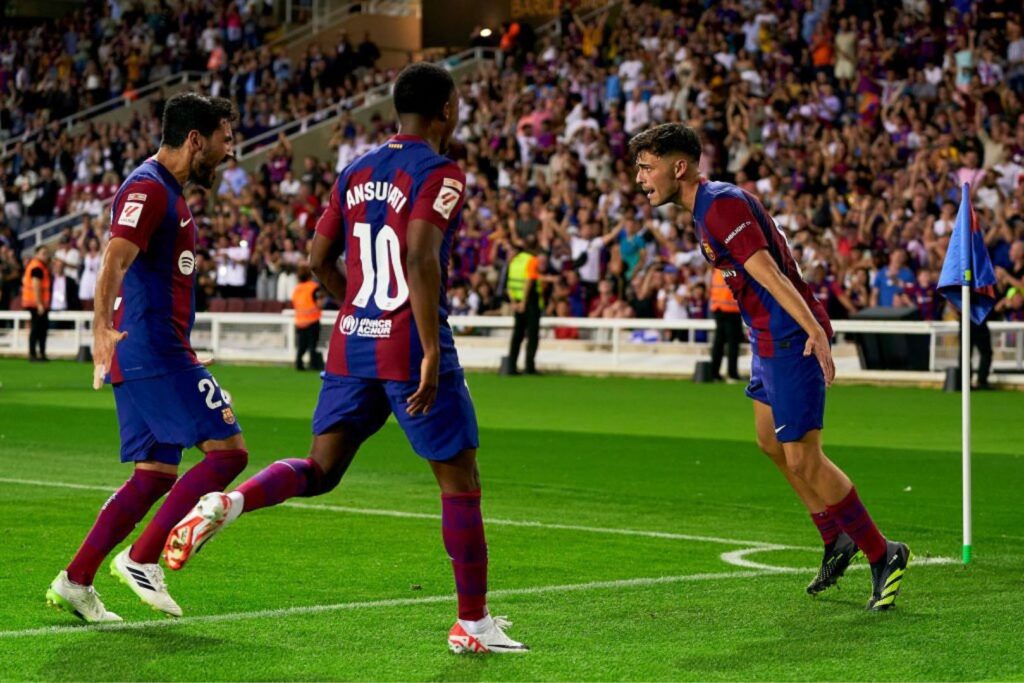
[186, 262]
[709, 253]
[228, 416]
[130, 213]
[365, 327]
[446, 200]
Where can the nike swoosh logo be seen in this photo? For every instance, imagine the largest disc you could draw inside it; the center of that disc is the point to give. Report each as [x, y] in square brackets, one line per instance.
[779, 429]
[182, 224]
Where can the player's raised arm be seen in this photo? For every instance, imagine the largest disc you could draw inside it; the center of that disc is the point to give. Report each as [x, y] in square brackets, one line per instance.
[762, 267]
[423, 265]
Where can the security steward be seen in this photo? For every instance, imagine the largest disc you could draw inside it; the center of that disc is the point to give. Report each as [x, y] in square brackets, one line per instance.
[728, 328]
[36, 286]
[524, 291]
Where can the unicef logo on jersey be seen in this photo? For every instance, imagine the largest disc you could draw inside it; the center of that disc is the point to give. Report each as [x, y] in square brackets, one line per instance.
[365, 327]
[348, 324]
[187, 262]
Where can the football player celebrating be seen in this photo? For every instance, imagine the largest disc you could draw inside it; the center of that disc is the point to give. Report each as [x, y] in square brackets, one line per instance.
[393, 214]
[790, 339]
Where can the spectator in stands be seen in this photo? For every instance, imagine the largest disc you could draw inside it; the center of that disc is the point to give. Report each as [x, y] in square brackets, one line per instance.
[891, 280]
[10, 277]
[63, 288]
[307, 302]
[90, 270]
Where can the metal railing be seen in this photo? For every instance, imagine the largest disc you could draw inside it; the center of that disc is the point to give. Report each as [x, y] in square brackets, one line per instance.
[321, 20]
[609, 344]
[253, 145]
[70, 122]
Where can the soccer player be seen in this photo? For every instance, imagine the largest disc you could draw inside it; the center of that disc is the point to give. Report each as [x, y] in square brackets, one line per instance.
[166, 399]
[790, 340]
[393, 214]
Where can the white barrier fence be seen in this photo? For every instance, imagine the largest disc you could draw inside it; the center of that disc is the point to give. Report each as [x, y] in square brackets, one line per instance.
[604, 346]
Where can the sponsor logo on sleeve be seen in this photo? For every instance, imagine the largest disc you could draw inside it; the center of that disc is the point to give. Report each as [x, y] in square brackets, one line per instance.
[137, 197]
[446, 200]
[737, 230]
[130, 213]
[452, 182]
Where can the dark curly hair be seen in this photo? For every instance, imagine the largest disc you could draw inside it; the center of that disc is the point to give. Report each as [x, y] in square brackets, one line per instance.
[666, 139]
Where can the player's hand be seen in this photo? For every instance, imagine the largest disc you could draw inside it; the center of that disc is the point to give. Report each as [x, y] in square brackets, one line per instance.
[818, 346]
[206, 362]
[104, 340]
[421, 402]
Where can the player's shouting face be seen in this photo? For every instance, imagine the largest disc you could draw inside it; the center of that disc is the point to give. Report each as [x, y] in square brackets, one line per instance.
[659, 176]
[665, 156]
[208, 153]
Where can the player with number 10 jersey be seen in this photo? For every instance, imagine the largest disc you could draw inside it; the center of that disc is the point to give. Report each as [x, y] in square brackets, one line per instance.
[393, 215]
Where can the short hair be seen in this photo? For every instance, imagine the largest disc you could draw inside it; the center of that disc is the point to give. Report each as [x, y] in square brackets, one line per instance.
[423, 88]
[666, 139]
[189, 111]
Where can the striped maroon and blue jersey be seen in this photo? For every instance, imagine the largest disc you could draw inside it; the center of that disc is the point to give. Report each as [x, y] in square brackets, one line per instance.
[732, 225]
[156, 304]
[371, 206]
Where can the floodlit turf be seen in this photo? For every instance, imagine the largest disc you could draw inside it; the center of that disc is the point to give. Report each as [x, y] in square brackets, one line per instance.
[310, 594]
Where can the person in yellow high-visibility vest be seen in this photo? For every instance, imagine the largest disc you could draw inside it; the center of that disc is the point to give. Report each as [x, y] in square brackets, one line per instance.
[307, 302]
[728, 327]
[524, 291]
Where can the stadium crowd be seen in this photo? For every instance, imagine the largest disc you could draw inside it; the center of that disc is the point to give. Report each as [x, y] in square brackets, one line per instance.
[856, 123]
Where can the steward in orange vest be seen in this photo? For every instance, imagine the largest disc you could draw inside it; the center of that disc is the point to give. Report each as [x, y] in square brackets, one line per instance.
[307, 304]
[35, 298]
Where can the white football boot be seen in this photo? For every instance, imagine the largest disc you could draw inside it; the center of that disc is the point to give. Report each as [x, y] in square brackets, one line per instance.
[491, 638]
[203, 521]
[146, 581]
[82, 601]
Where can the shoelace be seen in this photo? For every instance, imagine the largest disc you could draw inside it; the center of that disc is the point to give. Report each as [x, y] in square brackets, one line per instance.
[155, 574]
[94, 600]
[502, 622]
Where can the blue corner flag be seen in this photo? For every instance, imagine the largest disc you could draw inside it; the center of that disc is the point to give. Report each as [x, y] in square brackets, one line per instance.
[967, 264]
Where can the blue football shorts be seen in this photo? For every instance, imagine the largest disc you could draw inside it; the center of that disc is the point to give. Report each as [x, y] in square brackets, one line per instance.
[792, 385]
[363, 405]
[161, 416]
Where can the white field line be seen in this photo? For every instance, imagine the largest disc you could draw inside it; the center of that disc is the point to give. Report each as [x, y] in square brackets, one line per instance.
[489, 521]
[737, 558]
[377, 604]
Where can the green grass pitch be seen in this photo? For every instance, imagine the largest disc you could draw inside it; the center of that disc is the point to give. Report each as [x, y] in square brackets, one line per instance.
[576, 472]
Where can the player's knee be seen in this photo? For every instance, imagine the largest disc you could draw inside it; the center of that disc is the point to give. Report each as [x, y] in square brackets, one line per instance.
[802, 462]
[768, 444]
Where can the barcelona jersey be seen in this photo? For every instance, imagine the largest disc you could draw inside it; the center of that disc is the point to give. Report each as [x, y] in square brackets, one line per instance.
[370, 208]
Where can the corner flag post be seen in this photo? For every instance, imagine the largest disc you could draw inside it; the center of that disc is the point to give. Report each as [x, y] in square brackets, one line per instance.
[968, 282]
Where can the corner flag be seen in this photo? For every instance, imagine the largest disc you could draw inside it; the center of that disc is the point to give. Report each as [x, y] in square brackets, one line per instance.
[967, 264]
[966, 270]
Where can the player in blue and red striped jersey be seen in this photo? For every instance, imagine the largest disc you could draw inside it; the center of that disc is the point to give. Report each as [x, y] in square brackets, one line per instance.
[166, 399]
[393, 214]
[790, 337]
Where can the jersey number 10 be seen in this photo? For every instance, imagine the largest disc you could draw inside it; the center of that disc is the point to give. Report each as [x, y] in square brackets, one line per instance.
[378, 261]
